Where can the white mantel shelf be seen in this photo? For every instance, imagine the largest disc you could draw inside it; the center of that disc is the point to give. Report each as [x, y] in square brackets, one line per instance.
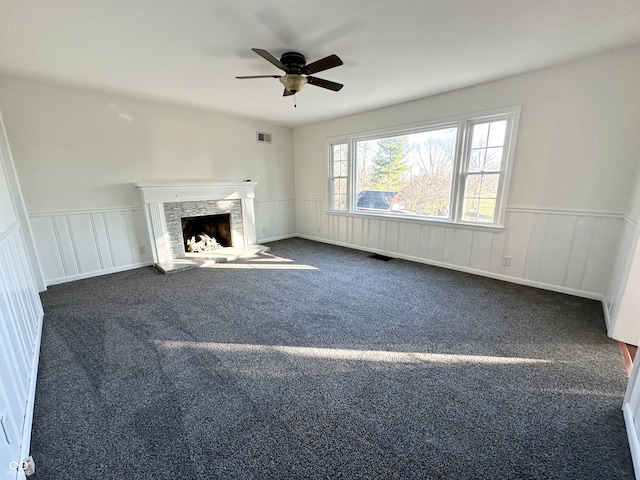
[167, 191]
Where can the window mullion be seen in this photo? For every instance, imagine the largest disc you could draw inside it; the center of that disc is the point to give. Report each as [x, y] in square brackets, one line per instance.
[460, 170]
[353, 172]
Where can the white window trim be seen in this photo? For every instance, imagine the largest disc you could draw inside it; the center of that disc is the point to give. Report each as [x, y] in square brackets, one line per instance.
[512, 114]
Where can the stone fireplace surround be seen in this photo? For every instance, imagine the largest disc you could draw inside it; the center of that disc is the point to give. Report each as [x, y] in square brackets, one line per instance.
[166, 201]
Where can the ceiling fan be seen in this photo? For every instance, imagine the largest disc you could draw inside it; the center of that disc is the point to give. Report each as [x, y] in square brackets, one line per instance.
[297, 72]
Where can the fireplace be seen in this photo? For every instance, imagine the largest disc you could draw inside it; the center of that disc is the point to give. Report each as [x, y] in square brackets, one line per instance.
[175, 212]
[166, 204]
[206, 233]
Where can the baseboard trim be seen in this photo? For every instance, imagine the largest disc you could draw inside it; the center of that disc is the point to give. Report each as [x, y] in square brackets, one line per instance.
[275, 239]
[482, 273]
[96, 273]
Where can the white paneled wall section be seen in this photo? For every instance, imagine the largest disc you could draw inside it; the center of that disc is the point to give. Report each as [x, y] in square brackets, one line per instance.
[570, 252]
[20, 332]
[275, 219]
[631, 409]
[75, 245]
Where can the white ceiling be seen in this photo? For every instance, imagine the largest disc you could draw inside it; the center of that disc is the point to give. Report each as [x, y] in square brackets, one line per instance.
[189, 51]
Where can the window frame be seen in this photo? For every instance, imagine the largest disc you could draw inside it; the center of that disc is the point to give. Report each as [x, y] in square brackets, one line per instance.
[465, 124]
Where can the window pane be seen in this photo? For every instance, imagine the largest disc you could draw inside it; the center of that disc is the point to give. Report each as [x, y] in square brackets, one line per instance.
[476, 160]
[486, 210]
[480, 135]
[407, 174]
[339, 192]
[472, 188]
[496, 133]
[342, 185]
[470, 209]
[486, 146]
[489, 188]
[493, 160]
[475, 210]
[481, 191]
[340, 152]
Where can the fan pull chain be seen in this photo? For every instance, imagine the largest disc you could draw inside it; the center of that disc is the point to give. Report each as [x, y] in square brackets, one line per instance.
[295, 104]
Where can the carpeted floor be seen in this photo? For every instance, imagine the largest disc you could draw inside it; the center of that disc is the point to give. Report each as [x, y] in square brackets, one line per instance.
[320, 362]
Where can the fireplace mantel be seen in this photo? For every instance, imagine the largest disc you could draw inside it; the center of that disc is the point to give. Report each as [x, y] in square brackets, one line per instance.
[162, 192]
[155, 194]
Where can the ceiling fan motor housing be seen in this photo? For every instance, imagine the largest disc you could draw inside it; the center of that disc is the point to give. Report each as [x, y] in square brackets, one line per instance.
[294, 62]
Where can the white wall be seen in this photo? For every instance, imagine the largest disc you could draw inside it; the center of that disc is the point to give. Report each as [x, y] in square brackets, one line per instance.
[574, 178]
[78, 153]
[79, 149]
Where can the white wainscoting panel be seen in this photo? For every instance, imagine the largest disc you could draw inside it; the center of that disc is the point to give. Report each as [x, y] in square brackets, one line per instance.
[631, 409]
[20, 333]
[565, 251]
[622, 269]
[605, 246]
[74, 245]
[275, 219]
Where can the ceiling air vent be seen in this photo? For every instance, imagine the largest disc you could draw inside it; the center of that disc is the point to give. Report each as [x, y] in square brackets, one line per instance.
[263, 137]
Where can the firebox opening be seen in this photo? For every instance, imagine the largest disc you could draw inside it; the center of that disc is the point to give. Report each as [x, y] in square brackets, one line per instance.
[206, 233]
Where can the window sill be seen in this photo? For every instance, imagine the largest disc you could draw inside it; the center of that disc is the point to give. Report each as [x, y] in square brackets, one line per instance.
[418, 221]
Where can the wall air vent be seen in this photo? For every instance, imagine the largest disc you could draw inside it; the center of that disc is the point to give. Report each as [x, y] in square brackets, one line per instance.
[263, 137]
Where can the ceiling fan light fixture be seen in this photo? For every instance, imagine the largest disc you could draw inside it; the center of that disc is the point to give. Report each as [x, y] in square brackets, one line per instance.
[293, 83]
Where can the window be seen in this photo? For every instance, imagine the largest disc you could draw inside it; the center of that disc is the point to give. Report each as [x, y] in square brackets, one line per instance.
[481, 177]
[454, 171]
[339, 176]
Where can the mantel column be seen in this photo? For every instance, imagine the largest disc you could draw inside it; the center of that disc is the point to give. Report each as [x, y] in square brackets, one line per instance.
[248, 221]
[158, 233]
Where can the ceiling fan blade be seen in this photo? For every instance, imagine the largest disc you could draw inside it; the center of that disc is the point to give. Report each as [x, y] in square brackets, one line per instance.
[323, 64]
[259, 76]
[286, 93]
[270, 58]
[321, 82]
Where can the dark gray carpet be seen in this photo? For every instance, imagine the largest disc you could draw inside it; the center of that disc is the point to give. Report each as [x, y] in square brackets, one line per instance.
[321, 362]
